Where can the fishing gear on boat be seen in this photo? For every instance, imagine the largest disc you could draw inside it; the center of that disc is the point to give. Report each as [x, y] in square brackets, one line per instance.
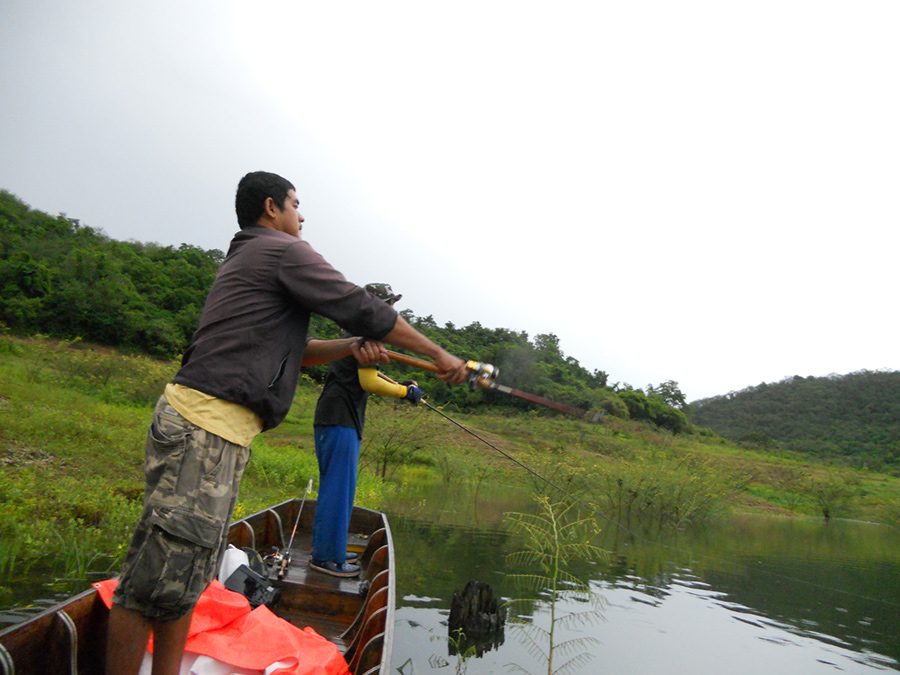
[282, 559]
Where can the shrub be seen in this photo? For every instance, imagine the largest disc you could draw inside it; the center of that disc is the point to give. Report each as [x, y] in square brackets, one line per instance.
[612, 404]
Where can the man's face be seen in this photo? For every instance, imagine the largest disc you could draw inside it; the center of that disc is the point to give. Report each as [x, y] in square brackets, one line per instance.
[289, 219]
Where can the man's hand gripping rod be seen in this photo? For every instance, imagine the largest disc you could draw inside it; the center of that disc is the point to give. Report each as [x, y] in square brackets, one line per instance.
[286, 553]
[479, 371]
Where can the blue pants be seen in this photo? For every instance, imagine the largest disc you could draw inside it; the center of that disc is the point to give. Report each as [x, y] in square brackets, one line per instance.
[337, 449]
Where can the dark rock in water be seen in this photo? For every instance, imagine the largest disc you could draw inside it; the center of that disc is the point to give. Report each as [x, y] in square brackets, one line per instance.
[476, 619]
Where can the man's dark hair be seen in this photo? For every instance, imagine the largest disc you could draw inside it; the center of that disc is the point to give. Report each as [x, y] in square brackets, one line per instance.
[252, 192]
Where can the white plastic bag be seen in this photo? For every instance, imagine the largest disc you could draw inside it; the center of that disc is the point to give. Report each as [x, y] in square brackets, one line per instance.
[231, 560]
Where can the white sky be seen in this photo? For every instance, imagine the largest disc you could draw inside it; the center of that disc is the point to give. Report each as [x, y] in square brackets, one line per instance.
[698, 191]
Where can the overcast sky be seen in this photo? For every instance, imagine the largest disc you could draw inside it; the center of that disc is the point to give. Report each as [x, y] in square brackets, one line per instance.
[698, 191]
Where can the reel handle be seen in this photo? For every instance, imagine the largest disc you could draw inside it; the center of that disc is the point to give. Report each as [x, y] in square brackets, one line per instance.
[482, 374]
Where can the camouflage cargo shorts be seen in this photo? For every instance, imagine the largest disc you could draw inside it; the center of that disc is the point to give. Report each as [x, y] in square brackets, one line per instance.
[192, 478]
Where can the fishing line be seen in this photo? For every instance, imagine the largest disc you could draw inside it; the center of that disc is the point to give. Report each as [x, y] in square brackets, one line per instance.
[505, 454]
[534, 473]
[628, 530]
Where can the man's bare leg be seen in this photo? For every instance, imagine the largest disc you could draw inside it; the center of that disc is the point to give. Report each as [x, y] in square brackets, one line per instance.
[169, 638]
[127, 641]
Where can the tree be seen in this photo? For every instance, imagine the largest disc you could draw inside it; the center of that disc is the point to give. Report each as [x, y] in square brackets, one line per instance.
[833, 494]
[547, 342]
[669, 392]
[636, 402]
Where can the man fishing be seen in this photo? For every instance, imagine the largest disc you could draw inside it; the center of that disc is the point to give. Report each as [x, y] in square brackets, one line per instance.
[237, 379]
[338, 429]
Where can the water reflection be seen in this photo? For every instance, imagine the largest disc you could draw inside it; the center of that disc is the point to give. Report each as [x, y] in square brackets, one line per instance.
[755, 595]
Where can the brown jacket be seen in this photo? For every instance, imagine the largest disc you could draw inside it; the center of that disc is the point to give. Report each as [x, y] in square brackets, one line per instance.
[253, 330]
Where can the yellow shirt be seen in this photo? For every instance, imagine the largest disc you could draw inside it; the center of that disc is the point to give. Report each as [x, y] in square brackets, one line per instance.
[231, 421]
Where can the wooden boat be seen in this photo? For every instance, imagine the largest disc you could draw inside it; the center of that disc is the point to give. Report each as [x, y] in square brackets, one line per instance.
[355, 614]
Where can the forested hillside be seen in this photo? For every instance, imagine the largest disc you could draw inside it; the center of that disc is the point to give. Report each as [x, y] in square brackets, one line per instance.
[853, 417]
[67, 280]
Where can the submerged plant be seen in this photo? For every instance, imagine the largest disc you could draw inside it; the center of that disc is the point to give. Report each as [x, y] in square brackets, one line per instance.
[555, 538]
[457, 646]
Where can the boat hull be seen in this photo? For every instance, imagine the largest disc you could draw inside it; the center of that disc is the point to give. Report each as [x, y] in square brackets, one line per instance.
[355, 614]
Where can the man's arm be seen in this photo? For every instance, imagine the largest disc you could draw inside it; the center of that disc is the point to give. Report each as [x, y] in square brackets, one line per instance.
[453, 368]
[323, 351]
[309, 278]
[370, 352]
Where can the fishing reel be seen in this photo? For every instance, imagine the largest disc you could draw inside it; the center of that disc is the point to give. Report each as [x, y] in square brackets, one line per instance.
[283, 563]
[278, 561]
[481, 373]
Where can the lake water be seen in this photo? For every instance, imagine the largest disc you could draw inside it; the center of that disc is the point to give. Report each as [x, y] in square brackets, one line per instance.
[755, 595]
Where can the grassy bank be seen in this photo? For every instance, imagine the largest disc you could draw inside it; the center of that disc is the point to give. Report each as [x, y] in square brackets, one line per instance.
[73, 420]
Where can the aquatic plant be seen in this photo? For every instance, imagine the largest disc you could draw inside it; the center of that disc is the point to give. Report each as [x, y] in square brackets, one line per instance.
[554, 538]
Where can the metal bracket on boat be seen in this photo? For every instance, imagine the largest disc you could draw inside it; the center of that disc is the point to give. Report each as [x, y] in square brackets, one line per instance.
[73, 640]
[273, 514]
[250, 533]
[7, 667]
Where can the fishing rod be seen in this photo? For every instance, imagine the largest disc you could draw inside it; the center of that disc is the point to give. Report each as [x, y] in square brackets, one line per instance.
[284, 559]
[594, 417]
[485, 374]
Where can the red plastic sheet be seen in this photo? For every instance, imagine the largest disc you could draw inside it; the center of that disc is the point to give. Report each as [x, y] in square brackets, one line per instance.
[223, 627]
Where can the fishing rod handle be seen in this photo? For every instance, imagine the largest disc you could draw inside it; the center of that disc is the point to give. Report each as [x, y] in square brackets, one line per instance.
[413, 361]
[479, 369]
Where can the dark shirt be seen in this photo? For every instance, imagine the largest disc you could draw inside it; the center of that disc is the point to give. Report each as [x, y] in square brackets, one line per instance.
[342, 402]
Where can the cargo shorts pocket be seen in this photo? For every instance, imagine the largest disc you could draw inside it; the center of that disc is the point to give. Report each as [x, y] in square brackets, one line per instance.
[167, 439]
[220, 481]
[174, 565]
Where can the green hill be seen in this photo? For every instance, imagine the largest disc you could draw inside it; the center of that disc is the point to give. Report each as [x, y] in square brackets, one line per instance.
[853, 418]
